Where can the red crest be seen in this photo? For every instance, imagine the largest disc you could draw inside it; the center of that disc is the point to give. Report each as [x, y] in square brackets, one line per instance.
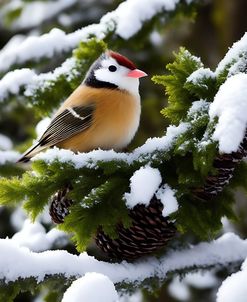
[122, 60]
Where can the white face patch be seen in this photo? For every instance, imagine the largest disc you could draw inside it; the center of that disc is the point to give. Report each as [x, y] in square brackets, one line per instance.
[118, 77]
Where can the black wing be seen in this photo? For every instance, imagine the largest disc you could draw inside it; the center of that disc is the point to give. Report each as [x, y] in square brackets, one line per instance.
[65, 125]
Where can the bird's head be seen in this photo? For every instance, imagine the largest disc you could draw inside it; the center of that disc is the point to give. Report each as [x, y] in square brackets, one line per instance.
[114, 71]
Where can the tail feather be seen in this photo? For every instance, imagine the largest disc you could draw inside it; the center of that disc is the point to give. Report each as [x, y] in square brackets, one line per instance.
[33, 150]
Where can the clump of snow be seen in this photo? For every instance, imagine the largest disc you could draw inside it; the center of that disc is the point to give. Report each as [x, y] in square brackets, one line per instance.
[230, 106]
[138, 12]
[201, 279]
[43, 80]
[198, 106]
[179, 290]
[5, 143]
[234, 54]
[93, 287]
[12, 81]
[8, 157]
[34, 236]
[233, 289]
[167, 196]
[200, 74]
[35, 13]
[143, 184]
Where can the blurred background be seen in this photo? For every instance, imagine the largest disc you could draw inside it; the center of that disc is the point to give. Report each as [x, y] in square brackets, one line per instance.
[207, 32]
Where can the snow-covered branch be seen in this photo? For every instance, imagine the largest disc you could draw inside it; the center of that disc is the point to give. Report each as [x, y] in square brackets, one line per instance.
[224, 251]
[125, 22]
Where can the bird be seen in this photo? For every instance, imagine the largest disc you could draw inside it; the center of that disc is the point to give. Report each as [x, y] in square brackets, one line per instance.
[103, 112]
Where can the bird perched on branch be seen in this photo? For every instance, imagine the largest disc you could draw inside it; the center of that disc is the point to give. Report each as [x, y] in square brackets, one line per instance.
[103, 112]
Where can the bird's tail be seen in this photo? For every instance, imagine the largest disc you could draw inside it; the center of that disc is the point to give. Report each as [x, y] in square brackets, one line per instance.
[33, 150]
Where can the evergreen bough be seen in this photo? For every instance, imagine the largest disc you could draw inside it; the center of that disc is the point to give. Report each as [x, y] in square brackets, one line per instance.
[99, 186]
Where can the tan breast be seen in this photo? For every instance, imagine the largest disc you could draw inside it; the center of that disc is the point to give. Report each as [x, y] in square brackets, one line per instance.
[115, 120]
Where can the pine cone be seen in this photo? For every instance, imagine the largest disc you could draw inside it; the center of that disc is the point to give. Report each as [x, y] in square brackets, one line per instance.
[149, 232]
[60, 204]
[225, 165]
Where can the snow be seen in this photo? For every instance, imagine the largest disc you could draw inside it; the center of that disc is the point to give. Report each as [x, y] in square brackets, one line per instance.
[233, 288]
[138, 11]
[34, 236]
[90, 159]
[200, 74]
[26, 78]
[167, 196]
[8, 157]
[56, 41]
[197, 106]
[143, 184]
[12, 81]
[179, 290]
[37, 12]
[234, 54]
[201, 279]
[46, 263]
[42, 126]
[93, 287]
[5, 143]
[230, 106]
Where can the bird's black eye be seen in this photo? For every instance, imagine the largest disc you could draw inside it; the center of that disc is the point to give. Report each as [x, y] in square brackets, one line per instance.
[112, 68]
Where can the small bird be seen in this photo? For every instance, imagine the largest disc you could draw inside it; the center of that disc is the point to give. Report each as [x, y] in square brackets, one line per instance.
[103, 112]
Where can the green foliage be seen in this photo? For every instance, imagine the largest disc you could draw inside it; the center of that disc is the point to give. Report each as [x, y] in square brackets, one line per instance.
[204, 218]
[12, 15]
[102, 207]
[179, 98]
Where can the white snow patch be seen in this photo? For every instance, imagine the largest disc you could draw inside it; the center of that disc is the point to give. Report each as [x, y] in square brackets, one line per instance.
[201, 279]
[143, 184]
[8, 157]
[5, 143]
[138, 11]
[35, 13]
[14, 80]
[34, 236]
[178, 290]
[198, 106]
[233, 288]
[200, 74]
[167, 196]
[230, 106]
[234, 54]
[42, 126]
[93, 287]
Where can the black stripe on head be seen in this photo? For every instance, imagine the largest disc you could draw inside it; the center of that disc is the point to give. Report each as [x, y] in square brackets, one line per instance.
[90, 79]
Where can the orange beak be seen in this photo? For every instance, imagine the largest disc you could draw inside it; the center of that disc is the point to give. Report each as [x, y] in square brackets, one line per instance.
[136, 73]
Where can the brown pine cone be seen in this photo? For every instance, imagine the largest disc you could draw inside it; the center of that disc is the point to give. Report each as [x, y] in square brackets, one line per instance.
[149, 232]
[60, 205]
[225, 165]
